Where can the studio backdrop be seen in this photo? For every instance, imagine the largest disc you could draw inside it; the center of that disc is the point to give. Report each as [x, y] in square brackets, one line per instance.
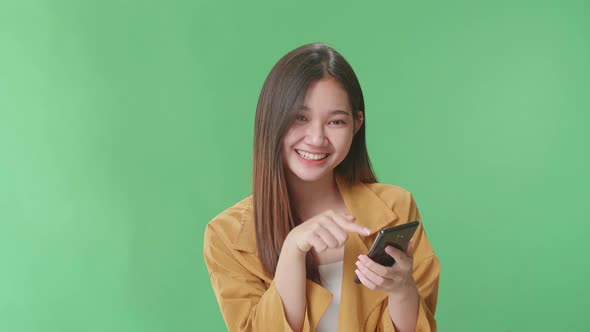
[126, 126]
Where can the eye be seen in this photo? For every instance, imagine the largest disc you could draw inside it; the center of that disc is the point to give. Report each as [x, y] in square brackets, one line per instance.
[300, 117]
[338, 122]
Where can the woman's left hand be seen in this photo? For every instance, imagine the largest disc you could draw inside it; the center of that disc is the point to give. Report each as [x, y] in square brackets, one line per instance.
[395, 280]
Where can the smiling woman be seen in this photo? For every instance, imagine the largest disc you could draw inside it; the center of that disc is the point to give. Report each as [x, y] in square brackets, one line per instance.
[283, 258]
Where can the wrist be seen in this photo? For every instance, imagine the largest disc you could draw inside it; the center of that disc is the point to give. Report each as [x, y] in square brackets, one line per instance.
[290, 248]
[404, 295]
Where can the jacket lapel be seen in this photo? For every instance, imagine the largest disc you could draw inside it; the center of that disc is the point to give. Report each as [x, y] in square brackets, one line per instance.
[369, 210]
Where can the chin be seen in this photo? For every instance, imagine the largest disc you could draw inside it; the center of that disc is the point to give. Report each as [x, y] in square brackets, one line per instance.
[309, 176]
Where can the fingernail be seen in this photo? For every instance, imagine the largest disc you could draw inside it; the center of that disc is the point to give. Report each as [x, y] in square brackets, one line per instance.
[367, 231]
[362, 258]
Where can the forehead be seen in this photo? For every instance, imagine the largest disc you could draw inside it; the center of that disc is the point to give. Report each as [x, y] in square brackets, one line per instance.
[326, 95]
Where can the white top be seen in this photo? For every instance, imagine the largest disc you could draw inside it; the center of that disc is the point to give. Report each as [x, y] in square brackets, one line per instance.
[331, 275]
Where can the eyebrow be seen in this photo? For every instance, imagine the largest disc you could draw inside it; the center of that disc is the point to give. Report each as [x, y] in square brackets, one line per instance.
[334, 112]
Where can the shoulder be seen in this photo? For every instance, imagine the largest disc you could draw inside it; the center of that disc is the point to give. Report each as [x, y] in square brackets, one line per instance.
[390, 194]
[229, 245]
[230, 222]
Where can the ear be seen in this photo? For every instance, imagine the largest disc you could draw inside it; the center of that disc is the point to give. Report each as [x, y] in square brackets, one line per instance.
[358, 122]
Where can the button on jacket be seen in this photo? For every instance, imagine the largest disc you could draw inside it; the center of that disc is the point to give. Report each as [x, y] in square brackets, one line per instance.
[249, 300]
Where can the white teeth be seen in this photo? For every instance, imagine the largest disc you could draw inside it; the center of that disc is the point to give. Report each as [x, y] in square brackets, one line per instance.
[312, 156]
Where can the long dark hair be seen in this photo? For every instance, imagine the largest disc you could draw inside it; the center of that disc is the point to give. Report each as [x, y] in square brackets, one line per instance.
[282, 93]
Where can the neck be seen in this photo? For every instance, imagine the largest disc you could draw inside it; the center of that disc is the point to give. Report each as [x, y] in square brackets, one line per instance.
[311, 198]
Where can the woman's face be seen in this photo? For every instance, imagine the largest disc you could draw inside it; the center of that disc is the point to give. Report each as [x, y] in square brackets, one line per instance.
[320, 137]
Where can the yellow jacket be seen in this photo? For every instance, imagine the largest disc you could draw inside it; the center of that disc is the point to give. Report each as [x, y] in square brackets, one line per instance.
[249, 300]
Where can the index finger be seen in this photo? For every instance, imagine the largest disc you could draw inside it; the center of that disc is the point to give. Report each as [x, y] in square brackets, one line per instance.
[349, 225]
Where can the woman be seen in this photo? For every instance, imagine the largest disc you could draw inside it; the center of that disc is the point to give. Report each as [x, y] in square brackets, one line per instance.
[285, 258]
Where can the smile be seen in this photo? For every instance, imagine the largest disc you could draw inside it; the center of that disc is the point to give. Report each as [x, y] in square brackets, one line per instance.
[312, 156]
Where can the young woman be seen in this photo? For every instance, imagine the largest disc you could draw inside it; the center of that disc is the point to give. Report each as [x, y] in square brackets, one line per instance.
[285, 258]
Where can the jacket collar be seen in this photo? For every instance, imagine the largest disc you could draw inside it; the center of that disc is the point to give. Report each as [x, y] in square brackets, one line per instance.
[369, 210]
[246, 238]
[363, 203]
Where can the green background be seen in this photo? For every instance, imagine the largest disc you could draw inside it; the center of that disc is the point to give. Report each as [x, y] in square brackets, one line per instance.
[125, 126]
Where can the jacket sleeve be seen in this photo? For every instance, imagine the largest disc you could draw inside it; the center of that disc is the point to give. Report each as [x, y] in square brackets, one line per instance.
[246, 303]
[426, 273]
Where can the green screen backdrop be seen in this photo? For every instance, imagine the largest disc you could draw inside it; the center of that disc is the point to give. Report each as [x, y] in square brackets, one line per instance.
[125, 126]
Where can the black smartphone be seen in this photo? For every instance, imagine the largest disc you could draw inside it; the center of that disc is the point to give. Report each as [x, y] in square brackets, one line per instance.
[398, 237]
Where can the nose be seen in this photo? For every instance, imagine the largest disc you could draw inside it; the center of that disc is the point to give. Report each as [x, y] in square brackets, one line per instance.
[316, 135]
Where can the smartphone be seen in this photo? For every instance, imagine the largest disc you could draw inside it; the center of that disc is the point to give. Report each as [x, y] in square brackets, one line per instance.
[398, 237]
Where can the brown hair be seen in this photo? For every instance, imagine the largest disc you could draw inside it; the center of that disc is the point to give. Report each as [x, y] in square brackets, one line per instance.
[282, 93]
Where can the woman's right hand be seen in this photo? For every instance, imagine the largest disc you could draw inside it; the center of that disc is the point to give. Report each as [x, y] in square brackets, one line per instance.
[326, 230]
